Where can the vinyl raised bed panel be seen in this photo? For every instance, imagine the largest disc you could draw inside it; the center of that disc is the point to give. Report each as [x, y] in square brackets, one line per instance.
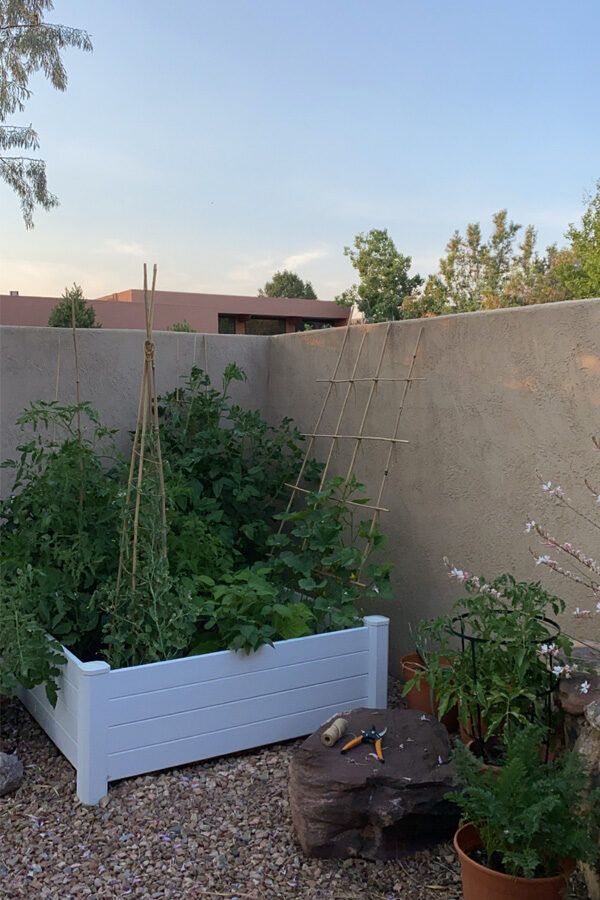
[115, 723]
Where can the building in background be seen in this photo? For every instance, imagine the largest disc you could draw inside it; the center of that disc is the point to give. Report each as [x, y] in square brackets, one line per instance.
[208, 313]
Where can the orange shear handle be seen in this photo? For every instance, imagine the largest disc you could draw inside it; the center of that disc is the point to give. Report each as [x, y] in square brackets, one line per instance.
[353, 743]
[379, 750]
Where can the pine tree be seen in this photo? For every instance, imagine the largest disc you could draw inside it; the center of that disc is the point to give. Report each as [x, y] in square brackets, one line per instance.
[28, 45]
[61, 315]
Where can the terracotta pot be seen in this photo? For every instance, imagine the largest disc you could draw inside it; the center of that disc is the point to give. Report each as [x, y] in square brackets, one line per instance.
[466, 734]
[482, 883]
[420, 697]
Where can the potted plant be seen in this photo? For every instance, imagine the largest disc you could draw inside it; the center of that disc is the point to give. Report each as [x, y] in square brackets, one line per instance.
[420, 695]
[503, 649]
[525, 823]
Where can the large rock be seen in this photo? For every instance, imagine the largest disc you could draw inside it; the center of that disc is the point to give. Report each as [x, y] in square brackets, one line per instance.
[11, 773]
[354, 805]
[572, 699]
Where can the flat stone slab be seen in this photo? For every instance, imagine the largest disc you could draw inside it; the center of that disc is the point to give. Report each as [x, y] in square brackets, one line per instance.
[353, 805]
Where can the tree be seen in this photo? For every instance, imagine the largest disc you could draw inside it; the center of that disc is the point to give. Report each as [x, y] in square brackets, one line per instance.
[384, 280]
[288, 284]
[181, 326]
[61, 315]
[28, 45]
[578, 266]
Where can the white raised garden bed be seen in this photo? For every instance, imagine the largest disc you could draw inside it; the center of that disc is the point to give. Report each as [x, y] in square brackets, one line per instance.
[114, 723]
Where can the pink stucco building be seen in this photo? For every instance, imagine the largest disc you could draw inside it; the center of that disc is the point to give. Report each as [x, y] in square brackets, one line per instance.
[208, 313]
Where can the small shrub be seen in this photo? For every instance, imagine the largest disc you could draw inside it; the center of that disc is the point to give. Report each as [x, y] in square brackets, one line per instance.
[530, 816]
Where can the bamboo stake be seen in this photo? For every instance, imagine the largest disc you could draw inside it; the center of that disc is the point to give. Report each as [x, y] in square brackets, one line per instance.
[311, 443]
[372, 378]
[358, 437]
[407, 386]
[343, 409]
[338, 500]
[147, 421]
[368, 405]
[76, 366]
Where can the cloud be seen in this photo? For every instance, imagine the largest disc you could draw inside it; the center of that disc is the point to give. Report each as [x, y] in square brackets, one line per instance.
[300, 259]
[252, 269]
[124, 248]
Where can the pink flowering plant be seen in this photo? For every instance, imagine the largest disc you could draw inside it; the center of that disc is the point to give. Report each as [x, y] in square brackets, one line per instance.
[503, 648]
[565, 559]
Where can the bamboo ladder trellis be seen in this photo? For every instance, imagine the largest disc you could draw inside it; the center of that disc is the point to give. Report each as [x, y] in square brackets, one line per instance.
[392, 440]
[146, 455]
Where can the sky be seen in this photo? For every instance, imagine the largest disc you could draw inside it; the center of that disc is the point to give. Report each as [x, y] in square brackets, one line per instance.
[226, 139]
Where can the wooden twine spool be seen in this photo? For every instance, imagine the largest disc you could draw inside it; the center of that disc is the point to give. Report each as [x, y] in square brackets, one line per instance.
[334, 732]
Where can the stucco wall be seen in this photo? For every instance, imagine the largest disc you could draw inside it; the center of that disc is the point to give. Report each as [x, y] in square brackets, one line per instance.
[110, 365]
[508, 394]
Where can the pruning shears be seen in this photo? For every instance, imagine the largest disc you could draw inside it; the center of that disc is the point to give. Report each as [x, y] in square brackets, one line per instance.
[369, 737]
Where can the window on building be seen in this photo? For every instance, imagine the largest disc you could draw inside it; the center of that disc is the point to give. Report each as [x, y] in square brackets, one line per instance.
[226, 324]
[312, 324]
[256, 325]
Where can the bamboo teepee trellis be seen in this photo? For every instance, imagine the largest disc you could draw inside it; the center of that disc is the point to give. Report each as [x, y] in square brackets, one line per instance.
[146, 466]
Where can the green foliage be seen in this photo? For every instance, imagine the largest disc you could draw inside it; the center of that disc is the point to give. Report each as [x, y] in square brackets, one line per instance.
[182, 326]
[510, 679]
[476, 274]
[27, 655]
[288, 284]
[152, 622]
[246, 609]
[61, 522]
[579, 265]
[530, 816]
[384, 280]
[224, 466]
[214, 587]
[61, 315]
[29, 45]
[324, 551]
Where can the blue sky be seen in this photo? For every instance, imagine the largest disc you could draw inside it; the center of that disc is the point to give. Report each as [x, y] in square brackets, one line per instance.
[226, 139]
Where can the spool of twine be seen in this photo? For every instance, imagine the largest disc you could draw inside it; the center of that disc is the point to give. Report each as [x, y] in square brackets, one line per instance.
[334, 732]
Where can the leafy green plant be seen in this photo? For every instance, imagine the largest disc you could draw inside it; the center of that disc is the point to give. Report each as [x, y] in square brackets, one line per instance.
[27, 655]
[182, 326]
[61, 520]
[326, 549]
[226, 463]
[502, 676]
[530, 816]
[246, 609]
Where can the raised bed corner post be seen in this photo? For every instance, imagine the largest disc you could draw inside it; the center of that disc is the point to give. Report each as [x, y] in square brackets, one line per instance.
[378, 634]
[92, 768]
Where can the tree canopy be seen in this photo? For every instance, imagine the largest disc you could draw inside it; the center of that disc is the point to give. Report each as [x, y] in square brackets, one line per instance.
[29, 45]
[384, 279]
[61, 315]
[287, 284]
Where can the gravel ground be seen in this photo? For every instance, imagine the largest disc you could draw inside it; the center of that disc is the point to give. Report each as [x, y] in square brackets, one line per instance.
[216, 829]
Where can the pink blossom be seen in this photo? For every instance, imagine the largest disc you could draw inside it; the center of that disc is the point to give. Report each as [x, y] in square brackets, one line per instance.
[581, 613]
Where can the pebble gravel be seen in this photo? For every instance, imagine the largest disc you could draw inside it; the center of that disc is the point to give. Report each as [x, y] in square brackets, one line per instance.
[217, 829]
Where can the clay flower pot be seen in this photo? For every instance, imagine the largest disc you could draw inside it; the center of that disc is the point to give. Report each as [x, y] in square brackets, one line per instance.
[483, 883]
[420, 697]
